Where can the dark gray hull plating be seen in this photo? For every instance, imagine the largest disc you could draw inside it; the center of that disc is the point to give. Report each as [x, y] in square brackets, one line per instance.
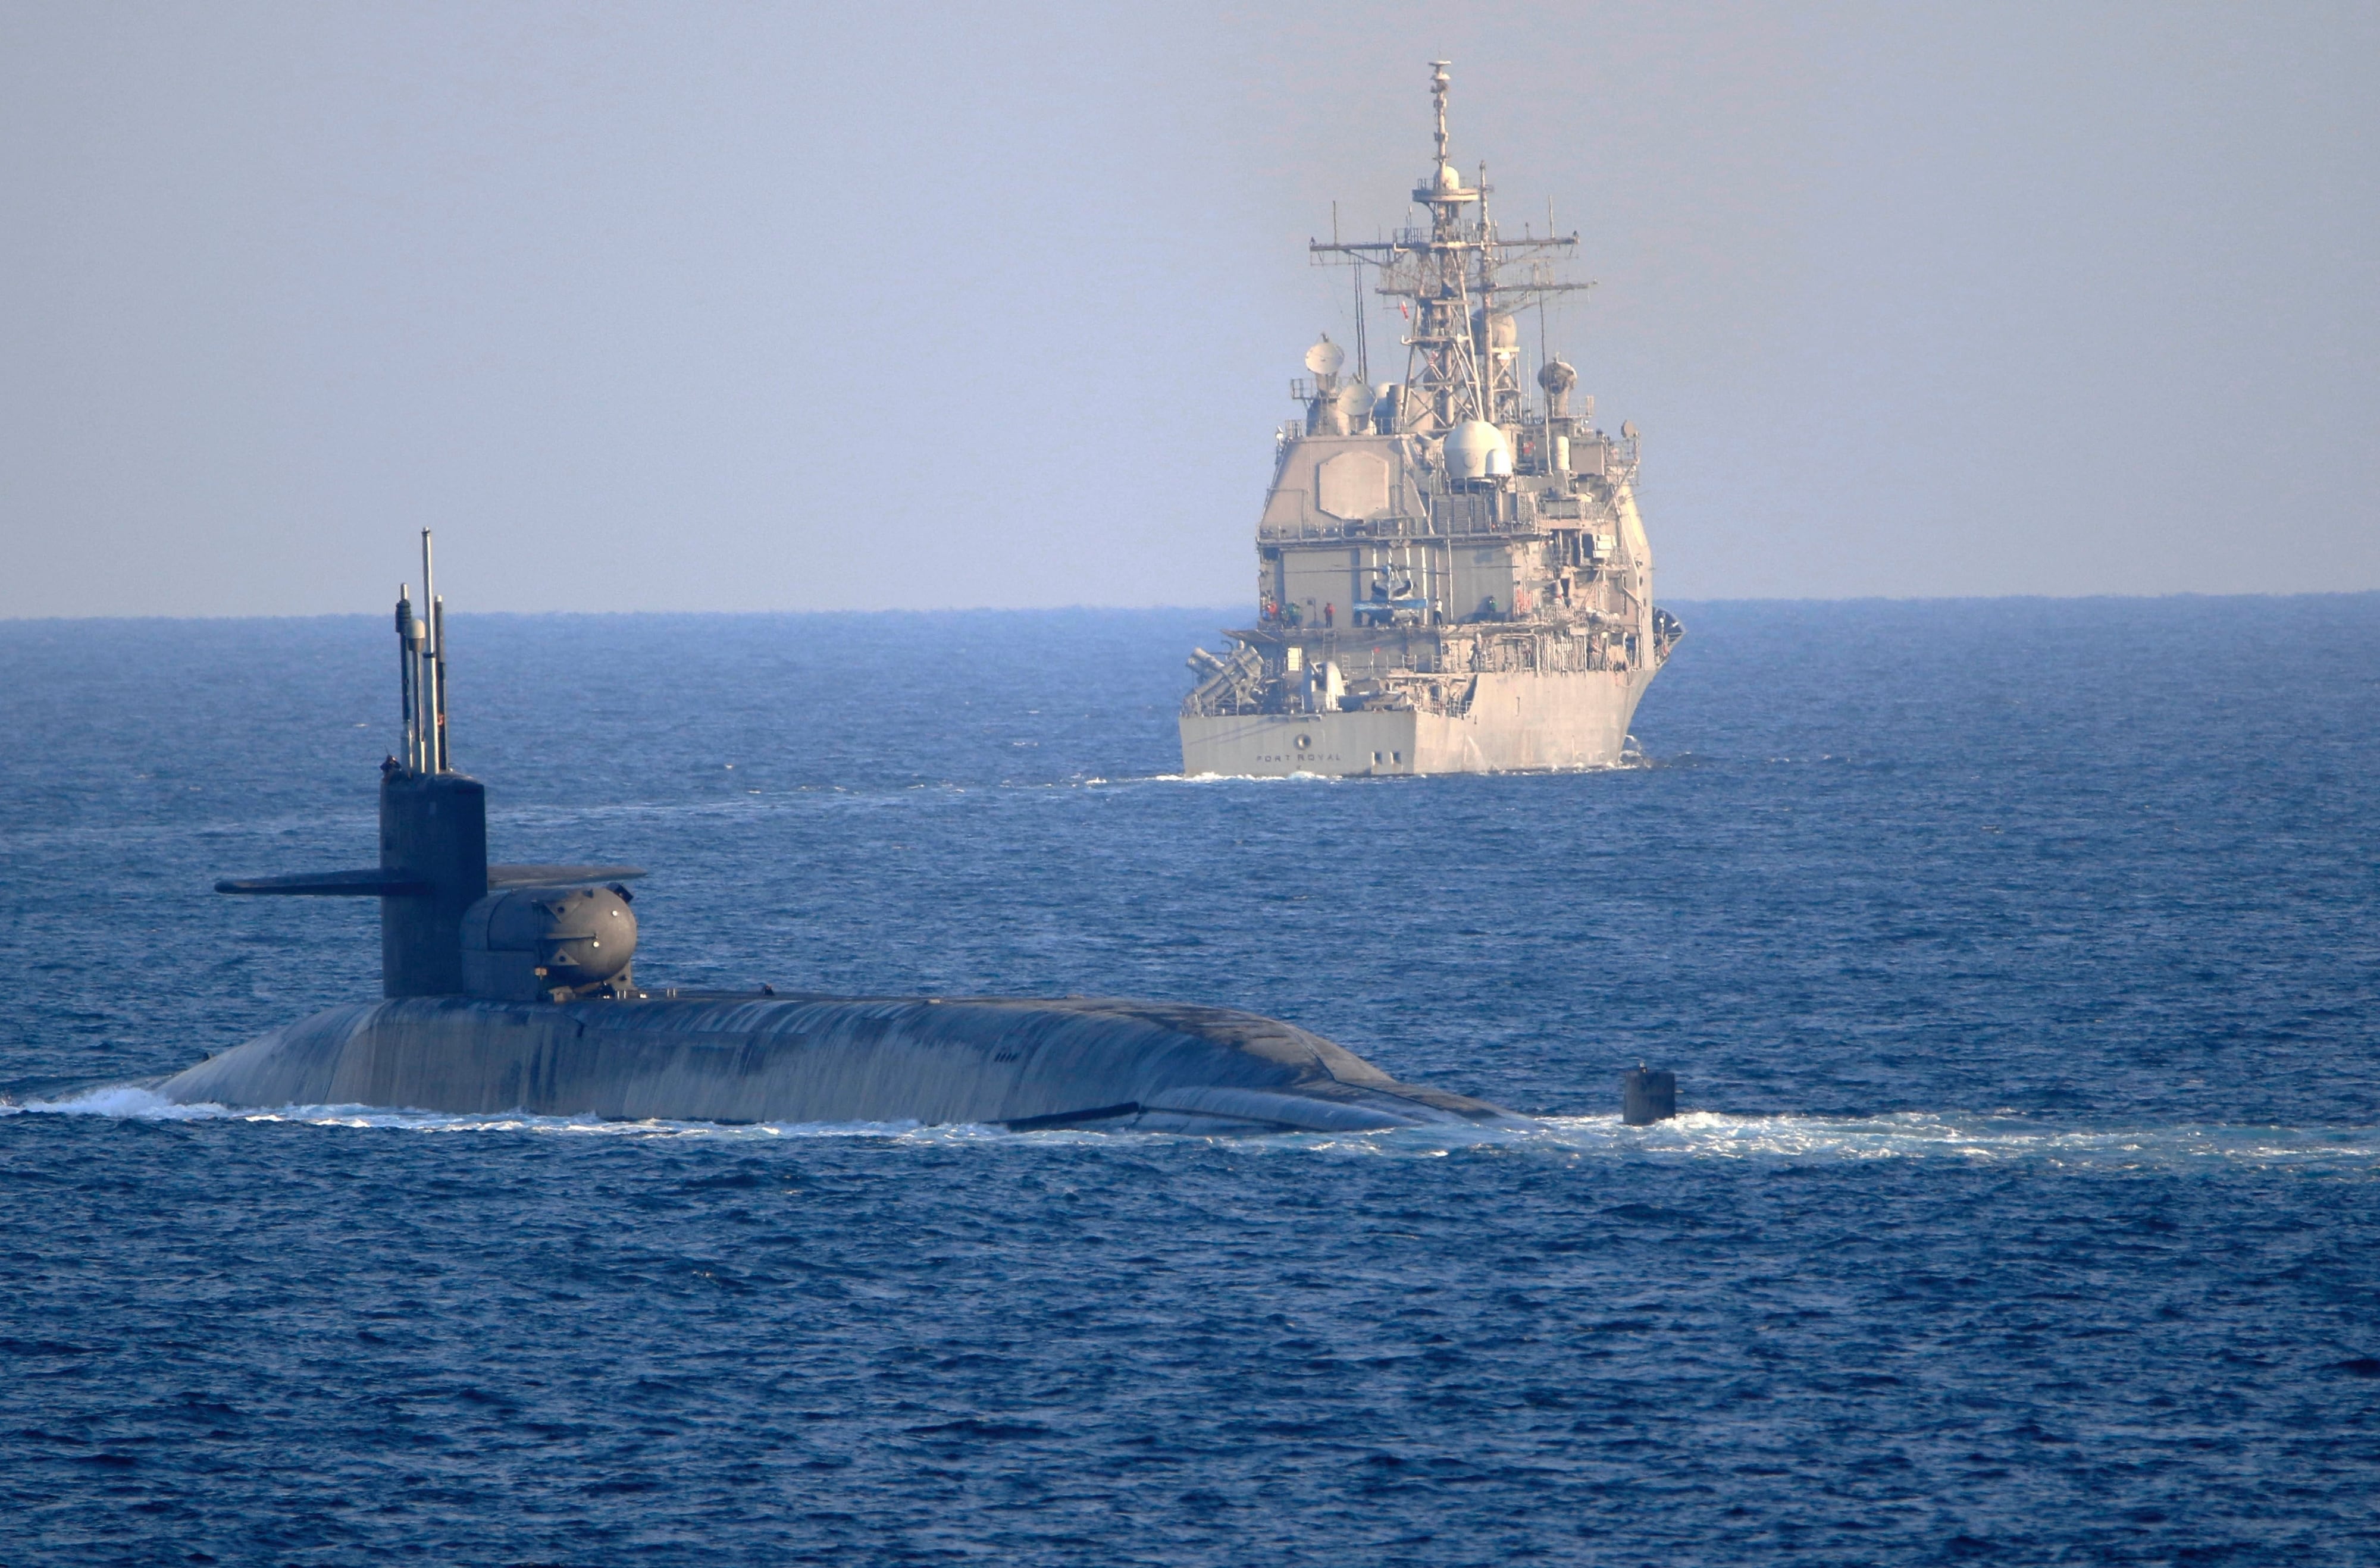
[1077, 1062]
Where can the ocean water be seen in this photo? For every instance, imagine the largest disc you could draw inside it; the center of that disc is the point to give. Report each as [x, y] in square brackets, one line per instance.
[2017, 959]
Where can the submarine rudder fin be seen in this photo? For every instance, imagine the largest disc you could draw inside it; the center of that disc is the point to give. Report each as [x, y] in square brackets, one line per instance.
[558, 876]
[369, 882]
[380, 882]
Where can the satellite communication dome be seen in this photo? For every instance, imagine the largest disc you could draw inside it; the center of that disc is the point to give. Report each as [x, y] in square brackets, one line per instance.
[1446, 179]
[1476, 450]
[1325, 358]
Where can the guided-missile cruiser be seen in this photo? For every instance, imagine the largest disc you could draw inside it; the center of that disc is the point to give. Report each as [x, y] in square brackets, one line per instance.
[1448, 578]
[511, 988]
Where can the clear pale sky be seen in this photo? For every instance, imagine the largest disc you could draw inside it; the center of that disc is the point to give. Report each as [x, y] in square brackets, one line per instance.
[713, 306]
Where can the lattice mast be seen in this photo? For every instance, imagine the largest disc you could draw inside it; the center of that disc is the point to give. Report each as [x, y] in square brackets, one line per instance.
[1462, 350]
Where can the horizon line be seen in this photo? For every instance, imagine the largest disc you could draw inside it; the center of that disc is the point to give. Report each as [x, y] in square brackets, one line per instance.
[1207, 610]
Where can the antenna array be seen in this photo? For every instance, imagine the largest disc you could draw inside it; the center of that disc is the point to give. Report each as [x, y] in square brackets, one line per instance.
[421, 673]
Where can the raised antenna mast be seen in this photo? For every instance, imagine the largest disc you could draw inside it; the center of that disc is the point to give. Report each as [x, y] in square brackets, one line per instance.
[432, 680]
[1453, 275]
[1437, 80]
[421, 671]
[1363, 344]
[405, 671]
[438, 637]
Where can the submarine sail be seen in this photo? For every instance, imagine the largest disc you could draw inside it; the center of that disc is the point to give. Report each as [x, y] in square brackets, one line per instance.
[511, 988]
[1451, 577]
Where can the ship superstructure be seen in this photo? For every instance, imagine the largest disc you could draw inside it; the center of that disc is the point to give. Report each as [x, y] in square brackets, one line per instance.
[1452, 574]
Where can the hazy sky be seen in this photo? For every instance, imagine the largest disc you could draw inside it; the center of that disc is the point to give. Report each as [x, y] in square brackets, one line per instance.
[730, 307]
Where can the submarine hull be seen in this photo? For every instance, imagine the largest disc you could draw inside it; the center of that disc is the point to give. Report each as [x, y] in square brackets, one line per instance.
[1109, 1065]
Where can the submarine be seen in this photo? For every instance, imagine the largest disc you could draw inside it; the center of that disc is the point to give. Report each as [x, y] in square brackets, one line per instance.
[511, 988]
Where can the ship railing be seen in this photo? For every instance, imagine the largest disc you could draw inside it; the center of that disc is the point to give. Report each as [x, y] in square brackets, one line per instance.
[1321, 528]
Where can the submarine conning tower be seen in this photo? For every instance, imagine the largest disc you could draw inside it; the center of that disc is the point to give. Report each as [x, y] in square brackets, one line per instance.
[450, 923]
[433, 831]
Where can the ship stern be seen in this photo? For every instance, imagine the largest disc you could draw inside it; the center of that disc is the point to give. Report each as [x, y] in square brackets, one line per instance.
[1333, 745]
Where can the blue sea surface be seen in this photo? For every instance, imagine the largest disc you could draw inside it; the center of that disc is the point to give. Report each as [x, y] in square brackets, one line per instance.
[2017, 959]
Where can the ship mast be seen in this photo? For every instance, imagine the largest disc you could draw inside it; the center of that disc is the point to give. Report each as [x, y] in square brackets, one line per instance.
[1462, 351]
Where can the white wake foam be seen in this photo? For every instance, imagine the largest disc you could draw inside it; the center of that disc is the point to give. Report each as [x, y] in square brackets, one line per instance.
[128, 1100]
[1972, 1138]
[1701, 1134]
[132, 1102]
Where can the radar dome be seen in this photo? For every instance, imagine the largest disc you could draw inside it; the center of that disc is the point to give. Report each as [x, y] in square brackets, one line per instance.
[1558, 379]
[1478, 449]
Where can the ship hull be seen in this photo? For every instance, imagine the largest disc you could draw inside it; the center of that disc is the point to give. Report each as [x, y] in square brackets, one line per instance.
[1073, 1061]
[1515, 722]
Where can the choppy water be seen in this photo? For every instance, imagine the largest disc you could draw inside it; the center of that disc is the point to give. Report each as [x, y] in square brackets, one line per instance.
[2017, 959]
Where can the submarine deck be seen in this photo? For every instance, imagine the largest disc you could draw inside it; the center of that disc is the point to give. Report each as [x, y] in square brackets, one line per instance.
[737, 1056]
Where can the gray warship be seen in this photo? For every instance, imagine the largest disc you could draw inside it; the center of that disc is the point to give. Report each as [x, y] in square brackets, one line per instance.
[511, 988]
[1452, 577]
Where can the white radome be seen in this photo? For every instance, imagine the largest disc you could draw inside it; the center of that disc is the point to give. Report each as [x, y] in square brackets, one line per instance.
[1476, 450]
